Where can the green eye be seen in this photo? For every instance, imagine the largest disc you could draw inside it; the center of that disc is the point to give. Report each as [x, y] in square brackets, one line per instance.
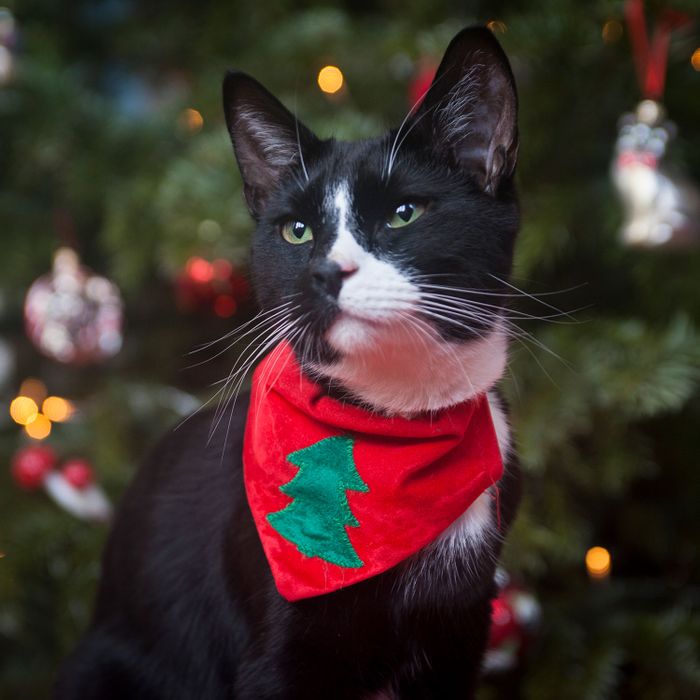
[296, 232]
[405, 214]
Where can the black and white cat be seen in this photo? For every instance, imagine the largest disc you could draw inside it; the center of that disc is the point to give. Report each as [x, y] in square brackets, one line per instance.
[386, 262]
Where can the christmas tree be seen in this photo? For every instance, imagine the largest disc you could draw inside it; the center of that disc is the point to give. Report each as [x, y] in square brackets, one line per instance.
[316, 519]
[113, 143]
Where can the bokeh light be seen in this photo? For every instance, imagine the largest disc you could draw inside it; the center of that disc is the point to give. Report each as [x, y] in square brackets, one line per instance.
[57, 409]
[23, 410]
[497, 27]
[192, 120]
[34, 389]
[199, 270]
[598, 562]
[612, 31]
[695, 59]
[330, 79]
[39, 428]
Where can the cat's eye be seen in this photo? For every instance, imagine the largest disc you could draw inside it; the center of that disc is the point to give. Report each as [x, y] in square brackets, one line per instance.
[296, 232]
[405, 214]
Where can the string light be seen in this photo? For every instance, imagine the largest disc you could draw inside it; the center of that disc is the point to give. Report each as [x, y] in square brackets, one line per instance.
[598, 562]
[192, 120]
[57, 409]
[695, 59]
[34, 389]
[39, 428]
[612, 31]
[23, 410]
[199, 270]
[330, 79]
[497, 27]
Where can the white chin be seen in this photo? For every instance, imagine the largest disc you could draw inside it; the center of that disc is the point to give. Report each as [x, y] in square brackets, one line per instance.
[350, 334]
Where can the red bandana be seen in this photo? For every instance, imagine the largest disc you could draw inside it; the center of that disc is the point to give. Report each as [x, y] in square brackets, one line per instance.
[340, 494]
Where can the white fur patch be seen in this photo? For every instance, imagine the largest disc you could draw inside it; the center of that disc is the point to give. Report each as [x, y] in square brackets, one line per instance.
[405, 367]
[392, 358]
[375, 294]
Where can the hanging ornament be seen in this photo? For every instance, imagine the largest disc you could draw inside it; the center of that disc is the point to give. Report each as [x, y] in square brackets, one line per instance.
[515, 615]
[72, 487]
[31, 465]
[662, 207]
[214, 286]
[73, 315]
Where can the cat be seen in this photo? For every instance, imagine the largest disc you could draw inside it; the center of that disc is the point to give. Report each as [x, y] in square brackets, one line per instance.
[384, 264]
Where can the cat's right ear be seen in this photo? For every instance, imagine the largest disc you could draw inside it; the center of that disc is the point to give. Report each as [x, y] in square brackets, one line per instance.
[469, 114]
[267, 138]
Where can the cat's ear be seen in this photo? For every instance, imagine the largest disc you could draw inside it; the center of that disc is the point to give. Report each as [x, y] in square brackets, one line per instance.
[470, 111]
[267, 138]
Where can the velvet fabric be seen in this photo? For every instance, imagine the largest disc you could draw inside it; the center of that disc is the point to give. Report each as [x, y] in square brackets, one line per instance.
[420, 474]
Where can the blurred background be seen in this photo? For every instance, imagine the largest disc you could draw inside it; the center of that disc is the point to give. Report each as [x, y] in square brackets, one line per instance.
[123, 248]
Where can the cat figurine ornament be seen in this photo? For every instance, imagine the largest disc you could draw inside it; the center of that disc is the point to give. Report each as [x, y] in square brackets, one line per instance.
[338, 537]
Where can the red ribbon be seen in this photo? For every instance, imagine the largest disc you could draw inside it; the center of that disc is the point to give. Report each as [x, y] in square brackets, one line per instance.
[651, 57]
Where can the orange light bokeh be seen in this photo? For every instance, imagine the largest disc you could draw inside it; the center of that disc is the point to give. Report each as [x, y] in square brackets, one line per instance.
[39, 428]
[330, 79]
[57, 409]
[598, 562]
[23, 410]
[192, 120]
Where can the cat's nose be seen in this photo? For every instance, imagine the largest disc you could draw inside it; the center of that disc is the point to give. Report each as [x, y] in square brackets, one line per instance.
[328, 276]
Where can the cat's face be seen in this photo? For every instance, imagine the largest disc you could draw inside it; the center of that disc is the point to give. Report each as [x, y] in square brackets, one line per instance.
[382, 258]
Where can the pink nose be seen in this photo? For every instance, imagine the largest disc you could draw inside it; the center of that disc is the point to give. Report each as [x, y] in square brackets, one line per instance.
[346, 268]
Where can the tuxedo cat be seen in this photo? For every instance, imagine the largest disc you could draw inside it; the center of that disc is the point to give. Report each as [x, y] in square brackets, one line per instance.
[384, 264]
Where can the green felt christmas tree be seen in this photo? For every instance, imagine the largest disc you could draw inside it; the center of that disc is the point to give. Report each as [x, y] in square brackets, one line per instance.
[316, 519]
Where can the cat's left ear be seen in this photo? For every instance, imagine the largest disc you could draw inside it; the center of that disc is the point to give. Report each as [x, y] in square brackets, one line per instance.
[267, 138]
[470, 111]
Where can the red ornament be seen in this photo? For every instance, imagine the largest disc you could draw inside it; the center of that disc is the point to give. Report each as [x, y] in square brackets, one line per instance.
[78, 473]
[216, 286]
[503, 622]
[515, 615]
[31, 465]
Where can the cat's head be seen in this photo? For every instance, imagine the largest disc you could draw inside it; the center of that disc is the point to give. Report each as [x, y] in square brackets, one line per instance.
[384, 262]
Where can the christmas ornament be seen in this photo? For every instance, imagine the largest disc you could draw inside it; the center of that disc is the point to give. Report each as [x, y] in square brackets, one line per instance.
[72, 487]
[31, 465]
[340, 494]
[662, 207]
[72, 315]
[515, 615]
[78, 473]
[215, 286]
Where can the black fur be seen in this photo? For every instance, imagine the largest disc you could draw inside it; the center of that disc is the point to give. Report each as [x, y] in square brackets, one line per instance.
[187, 607]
